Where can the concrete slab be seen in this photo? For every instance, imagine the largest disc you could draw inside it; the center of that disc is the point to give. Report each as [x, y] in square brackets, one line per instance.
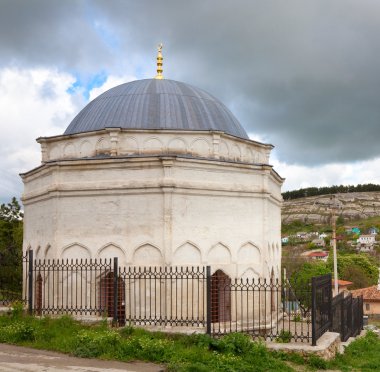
[327, 346]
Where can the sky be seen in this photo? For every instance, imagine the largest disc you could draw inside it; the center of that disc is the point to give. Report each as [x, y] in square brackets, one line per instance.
[301, 75]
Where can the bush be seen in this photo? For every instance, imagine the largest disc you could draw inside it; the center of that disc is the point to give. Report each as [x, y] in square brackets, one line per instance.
[284, 337]
[17, 332]
[90, 344]
[235, 343]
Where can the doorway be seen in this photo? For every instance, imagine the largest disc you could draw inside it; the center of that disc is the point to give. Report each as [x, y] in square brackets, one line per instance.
[220, 297]
[107, 297]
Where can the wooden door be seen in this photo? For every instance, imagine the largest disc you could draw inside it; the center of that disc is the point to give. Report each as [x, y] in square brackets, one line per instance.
[220, 297]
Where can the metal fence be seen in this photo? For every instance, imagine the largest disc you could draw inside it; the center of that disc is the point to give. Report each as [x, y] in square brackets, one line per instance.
[263, 308]
[187, 297]
[11, 282]
[342, 314]
[168, 296]
[347, 315]
[321, 306]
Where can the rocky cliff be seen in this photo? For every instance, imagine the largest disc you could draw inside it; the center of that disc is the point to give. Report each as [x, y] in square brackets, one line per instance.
[317, 209]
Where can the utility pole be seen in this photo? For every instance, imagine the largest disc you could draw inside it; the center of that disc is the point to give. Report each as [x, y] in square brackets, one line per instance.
[334, 246]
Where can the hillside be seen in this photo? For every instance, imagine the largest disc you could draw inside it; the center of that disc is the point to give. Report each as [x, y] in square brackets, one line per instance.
[316, 209]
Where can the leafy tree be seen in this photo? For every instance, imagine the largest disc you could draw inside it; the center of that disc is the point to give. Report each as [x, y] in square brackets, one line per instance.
[358, 268]
[11, 235]
[300, 280]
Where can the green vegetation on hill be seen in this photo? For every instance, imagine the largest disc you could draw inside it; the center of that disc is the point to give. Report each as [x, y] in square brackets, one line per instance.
[315, 191]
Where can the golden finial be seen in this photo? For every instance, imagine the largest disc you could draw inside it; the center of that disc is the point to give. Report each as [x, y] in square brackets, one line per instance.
[159, 62]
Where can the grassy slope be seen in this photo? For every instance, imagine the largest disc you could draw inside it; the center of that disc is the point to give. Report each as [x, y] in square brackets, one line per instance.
[234, 352]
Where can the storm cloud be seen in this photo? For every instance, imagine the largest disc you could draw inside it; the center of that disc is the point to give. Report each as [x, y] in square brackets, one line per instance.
[302, 75]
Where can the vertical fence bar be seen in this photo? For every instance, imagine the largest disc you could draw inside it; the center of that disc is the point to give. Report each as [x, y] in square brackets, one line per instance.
[313, 312]
[30, 283]
[208, 300]
[115, 290]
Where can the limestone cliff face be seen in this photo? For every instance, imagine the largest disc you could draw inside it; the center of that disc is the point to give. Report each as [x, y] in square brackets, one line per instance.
[316, 209]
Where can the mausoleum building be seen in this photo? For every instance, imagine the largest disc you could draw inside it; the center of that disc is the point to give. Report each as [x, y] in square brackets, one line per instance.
[156, 172]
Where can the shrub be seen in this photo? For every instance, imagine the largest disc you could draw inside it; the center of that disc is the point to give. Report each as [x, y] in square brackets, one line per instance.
[234, 343]
[284, 337]
[17, 309]
[90, 344]
[17, 332]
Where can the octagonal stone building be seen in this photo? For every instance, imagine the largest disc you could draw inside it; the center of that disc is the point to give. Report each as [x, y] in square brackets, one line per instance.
[157, 173]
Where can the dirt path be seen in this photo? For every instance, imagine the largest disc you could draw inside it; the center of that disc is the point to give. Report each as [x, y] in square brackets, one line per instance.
[17, 358]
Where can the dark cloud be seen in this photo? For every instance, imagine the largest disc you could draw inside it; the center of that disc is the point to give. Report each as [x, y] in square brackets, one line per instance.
[302, 74]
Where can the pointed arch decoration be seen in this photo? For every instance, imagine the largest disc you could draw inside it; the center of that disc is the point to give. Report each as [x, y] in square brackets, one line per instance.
[75, 251]
[147, 255]
[249, 253]
[219, 254]
[187, 253]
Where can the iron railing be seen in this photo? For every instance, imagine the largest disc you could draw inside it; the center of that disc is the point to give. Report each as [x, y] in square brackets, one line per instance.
[169, 296]
[12, 279]
[347, 315]
[187, 297]
[264, 308]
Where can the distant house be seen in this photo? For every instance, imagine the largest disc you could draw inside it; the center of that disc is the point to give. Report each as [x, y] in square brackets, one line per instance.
[340, 238]
[371, 300]
[365, 243]
[342, 286]
[322, 236]
[319, 242]
[320, 255]
[302, 235]
[285, 240]
[366, 239]
[373, 231]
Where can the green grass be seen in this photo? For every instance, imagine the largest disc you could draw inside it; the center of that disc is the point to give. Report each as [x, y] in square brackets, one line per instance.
[182, 353]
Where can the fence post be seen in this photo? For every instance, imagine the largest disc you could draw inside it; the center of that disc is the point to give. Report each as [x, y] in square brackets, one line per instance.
[30, 283]
[208, 300]
[115, 290]
[313, 312]
[361, 313]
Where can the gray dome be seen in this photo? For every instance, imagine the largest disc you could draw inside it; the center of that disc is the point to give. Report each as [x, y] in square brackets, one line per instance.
[156, 104]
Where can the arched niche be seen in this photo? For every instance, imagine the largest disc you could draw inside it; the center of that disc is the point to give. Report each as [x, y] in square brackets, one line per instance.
[223, 150]
[248, 155]
[249, 253]
[219, 254]
[177, 146]
[103, 146]
[110, 250]
[249, 273]
[69, 150]
[55, 152]
[147, 255]
[128, 146]
[75, 251]
[236, 152]
[153, 146]
[48, 253]
[86, 149]
[200, 147]
[187, 253]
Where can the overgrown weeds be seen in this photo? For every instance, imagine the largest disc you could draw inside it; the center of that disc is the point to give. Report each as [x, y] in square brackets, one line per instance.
[198, 352]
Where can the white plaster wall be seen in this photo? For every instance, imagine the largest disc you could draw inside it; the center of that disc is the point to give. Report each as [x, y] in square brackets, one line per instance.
[156, 211]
